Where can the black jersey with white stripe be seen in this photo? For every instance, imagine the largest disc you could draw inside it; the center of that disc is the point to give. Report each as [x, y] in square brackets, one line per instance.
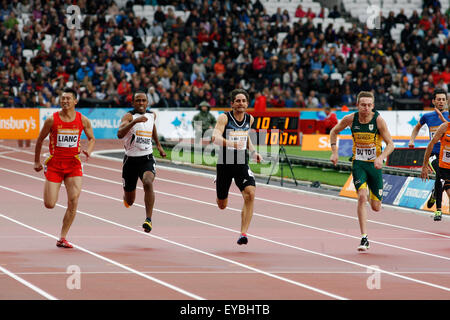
[235, 131]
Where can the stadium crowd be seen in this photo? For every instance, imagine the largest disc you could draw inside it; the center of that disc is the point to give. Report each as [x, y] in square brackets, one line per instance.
[219, 46]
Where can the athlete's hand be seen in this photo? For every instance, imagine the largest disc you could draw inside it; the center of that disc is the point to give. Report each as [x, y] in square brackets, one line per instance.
[424, 173]
[334, 158]
[411, 144]
[87, 154]
[162, 153]
[38, 166]
[258, 157]
[140, 119]
[378, 164]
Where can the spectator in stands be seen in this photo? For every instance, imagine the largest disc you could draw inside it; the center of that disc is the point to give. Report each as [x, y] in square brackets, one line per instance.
[299, 12]
[206, 119]
[84, 71]
[330, 120]
[334, 13]
[311, 100]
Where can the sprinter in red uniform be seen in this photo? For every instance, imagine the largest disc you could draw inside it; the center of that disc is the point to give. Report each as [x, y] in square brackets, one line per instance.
[64, 163]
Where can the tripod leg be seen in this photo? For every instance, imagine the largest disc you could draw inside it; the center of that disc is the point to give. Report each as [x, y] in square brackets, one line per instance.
[290, 166]
[273, 169]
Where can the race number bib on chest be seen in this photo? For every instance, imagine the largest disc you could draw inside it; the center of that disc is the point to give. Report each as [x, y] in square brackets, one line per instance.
[67, 138]
[366, 154]
[446, 155]
[143, 139]
[237, 136]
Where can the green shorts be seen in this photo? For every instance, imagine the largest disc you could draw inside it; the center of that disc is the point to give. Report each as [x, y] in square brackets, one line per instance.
[366, 176]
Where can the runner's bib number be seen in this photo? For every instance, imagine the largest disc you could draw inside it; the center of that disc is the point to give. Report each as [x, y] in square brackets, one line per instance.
[366, 154]
[237, 136]
[143, 139]
[446, 156]
[67, 140]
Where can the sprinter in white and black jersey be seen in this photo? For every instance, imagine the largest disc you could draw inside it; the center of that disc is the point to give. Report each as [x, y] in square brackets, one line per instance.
[137, 128]
[231, 133]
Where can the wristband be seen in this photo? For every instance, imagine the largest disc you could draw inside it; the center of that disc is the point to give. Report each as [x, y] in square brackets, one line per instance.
[332, 144]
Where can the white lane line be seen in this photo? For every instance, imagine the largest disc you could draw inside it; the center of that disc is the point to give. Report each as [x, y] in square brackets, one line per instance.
[55, 273]
[409, 210]
[27, 284]
[255, 213]
[367, 267]
[237, 210]
[163, 283]
[299, 284]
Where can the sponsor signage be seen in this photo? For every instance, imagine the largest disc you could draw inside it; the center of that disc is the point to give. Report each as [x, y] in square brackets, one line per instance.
[19, 123]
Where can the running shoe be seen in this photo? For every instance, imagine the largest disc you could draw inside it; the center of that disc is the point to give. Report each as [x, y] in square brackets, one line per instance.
[147, 225]
[364, 245]
[62, 243]
[432, 200]
[125, 203]
[438, 215]
[242, 240]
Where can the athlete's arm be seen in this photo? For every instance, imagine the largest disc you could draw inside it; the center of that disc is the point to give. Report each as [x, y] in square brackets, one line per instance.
[42, 135]
[127, 123]
[217, 137]
[155, 137]
[385, 134]
[344, 123]
[440, 115]
[89, 134]
[414, 134]
[437, 136]
[251, 147]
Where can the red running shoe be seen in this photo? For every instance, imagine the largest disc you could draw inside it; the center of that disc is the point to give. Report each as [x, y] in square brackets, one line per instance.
[62, 243]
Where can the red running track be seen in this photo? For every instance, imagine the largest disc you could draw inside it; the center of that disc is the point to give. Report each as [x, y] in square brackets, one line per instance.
[302, 245]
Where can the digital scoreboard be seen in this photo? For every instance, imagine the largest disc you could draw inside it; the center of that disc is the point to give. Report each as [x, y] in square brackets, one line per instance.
[277, 127]
[406, 157]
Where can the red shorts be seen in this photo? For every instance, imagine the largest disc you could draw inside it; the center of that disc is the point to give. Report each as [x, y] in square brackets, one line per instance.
[56, 170]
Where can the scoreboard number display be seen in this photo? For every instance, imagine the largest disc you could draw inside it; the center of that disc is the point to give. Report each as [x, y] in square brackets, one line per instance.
[277, 127]
[406, 157]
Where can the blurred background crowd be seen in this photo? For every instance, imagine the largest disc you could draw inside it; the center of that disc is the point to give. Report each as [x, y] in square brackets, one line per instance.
[184, 52]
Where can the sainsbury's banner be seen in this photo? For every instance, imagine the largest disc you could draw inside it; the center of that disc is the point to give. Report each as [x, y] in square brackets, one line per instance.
[321, 142]
[400, 123]
[19, 123]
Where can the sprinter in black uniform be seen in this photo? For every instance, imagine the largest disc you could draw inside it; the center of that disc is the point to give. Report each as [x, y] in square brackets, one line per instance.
[231, 133]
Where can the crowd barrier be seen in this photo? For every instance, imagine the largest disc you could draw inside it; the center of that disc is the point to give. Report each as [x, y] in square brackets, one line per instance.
[173, 124]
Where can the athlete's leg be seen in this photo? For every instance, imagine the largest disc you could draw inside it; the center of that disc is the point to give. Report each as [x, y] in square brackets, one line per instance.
[51, 192]
[247, 210]
[129, 197]
[73, 188]
[437, 185]
[224, 176]
[149, 197]
[129, 182]
[362, 210]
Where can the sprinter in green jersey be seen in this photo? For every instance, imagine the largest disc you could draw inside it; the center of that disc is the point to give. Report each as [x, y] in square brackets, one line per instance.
[368, 131]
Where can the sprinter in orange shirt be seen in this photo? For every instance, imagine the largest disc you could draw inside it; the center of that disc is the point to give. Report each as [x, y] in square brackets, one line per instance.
[443, 135]
[64, 163]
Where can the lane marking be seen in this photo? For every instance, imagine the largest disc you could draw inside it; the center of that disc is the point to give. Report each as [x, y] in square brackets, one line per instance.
[122, 266]
[27, 284]
[255, 236]
[299, 284]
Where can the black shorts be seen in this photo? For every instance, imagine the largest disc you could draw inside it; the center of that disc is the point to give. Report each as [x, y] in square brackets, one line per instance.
[241, 173]
[134, 168]
[444, 174]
